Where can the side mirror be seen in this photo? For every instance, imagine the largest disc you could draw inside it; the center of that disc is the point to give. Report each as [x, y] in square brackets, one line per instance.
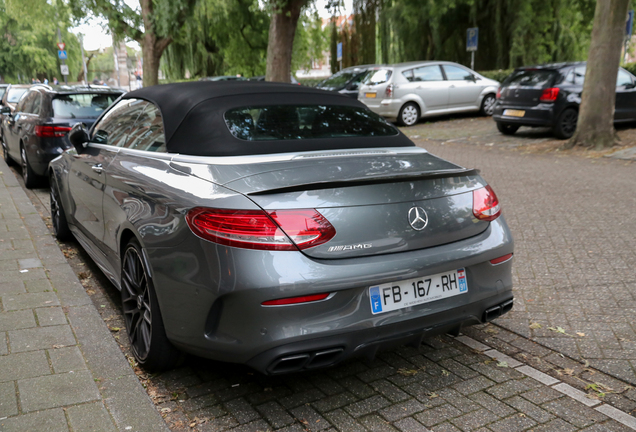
[78, 136]
[471, 77]
[5, 110]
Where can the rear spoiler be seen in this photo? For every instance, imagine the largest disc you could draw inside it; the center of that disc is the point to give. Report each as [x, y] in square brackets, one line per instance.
[425, 175]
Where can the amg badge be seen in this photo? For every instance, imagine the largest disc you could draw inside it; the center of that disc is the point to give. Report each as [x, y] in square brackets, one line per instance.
[350, 247]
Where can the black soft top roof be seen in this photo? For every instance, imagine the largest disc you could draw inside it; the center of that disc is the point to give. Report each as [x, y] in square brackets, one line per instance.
[194, 124]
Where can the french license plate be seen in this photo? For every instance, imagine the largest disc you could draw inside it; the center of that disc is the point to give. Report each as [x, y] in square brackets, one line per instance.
[412, 292]
[514, 113]
[370, 95]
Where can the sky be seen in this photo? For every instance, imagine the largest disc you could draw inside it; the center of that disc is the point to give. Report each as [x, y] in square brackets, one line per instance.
[95, 37]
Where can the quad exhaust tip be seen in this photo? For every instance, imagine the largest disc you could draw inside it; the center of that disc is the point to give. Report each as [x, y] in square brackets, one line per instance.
[497, 311]
[304, 361]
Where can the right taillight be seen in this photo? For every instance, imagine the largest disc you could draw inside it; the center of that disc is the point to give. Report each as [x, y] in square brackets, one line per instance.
[499, 93]
[257, 229]
[45, 131]
[549, 94]
[389, 91]
[486, 204]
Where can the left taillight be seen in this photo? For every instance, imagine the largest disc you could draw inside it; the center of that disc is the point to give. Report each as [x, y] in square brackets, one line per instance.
[486, 205]
[45, 131]
[257, 229]
[549, 94]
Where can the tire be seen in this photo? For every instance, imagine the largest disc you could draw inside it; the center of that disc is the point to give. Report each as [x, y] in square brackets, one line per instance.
[31, 179]
[488, 105]
[5, 153]
[58, 217]
[507, 128]
[409, 114]
[566, 123]
[144, 324]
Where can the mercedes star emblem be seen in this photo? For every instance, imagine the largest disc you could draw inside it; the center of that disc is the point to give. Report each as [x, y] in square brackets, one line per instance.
[418, 219]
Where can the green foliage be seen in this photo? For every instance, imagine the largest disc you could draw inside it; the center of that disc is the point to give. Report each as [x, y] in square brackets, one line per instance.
[497, 75]
[310, 42]
[630, 67]
[29, 35]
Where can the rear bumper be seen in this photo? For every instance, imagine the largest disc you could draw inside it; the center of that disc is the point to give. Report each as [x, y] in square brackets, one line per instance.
[388, 108]
[538, 115]
[210, 298]
[49, 149]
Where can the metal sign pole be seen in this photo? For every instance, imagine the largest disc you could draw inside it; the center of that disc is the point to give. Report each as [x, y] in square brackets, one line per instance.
[472, 60]
[83, 59]
[59, 39]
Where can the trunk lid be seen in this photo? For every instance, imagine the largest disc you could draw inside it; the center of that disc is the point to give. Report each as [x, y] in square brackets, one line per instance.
[524, 87]
[370, 199]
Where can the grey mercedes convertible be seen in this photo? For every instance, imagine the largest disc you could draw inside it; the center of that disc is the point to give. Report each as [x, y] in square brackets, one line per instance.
[283, 227]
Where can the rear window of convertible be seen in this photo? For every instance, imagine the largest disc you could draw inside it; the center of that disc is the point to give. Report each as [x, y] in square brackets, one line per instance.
[296, 122]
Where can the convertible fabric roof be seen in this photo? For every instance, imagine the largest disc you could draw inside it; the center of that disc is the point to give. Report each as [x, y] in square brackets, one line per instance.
[193, 117]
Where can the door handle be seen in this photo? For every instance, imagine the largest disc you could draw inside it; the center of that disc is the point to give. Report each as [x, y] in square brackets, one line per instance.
[452, 86]
[98, 168]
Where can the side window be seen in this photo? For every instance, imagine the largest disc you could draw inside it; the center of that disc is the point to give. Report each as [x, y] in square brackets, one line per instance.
[454, 73]
[115, 126]
[26, 102]
[37, 101]
[147, 134]
[579, 75]
[428, 73]
[623, 79]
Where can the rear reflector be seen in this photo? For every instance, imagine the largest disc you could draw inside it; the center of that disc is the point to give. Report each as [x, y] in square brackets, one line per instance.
[51, 131]
[549, 95]
[486, 204]
[501, 259]
[256, 229]
[296, 300]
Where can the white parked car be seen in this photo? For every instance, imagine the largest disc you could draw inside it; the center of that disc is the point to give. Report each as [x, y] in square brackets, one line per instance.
[405, 92]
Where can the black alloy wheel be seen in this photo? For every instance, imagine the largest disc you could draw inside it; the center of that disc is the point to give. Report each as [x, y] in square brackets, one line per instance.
[144, 324]
[566, 124]
[507, 128]
[30, 178]
[488, 105]
[58, 217]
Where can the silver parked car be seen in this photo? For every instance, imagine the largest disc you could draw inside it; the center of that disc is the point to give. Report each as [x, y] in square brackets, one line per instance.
[279, 226]
[406, 92]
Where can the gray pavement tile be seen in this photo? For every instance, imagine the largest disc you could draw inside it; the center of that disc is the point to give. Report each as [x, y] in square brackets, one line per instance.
[390, 391]
[12, 287]
[343, 421]
[576, 394]
[38, 285]
[617, 415]
[241, 410]
[367, 406]
[409, 424]
[310, 419]
[574, 412]
[91, 417]
[52, 420]
[57, 390]
[473, 385]
[514, 423]
[445, 427]
[200, 402]
[401, 410]
[4, 347]
[68, 288]
[275, 414]
[52, 316]
[29, 300]
[41, 338]
[556, 425]
[475, 420]
[531, 410]
[437, 415]
[257, 426]
[16, 320]
[375, 423]
[23, 365]
[332, 402]
[537, 375]
[8, 399]
[67, 359]
[490, 403]
[29, 263]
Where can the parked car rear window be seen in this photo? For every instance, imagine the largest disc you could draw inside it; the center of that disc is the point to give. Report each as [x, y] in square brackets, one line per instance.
[338, 79]
[83, 105]
[296, 122]
[536, 78]
[15, 94]
[377, 77]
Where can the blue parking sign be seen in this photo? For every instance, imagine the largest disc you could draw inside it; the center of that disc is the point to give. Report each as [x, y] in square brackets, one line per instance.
[61, 54]
[339, 54]
[472, 39]
[630, 23]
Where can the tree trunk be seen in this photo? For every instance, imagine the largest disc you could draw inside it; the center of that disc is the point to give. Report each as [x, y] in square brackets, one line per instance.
[282, 29]
[595, 126]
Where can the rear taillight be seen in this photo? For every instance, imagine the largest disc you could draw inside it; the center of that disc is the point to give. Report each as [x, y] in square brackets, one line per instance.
[257, 229]
[501, 259]
[51, 131]
[296, 300]
[389, 91]
[486, 204]
[499, 93]
[549, 94]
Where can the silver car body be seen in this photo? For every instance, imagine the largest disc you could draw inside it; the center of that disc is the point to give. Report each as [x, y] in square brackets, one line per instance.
[435, 92]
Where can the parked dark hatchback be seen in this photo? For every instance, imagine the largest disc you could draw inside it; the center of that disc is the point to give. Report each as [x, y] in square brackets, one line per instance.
[35, 132]
[550, 95]
[346, 81]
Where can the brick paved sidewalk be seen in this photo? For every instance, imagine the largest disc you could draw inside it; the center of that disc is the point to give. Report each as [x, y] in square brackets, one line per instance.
[60, 368]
